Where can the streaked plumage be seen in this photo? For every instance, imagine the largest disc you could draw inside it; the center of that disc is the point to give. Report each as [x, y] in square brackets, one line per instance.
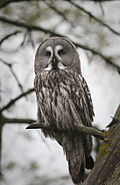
[64, 101]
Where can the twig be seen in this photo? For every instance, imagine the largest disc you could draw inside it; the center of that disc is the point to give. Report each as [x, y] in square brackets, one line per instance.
[93, 17]
[24, 39]
[13, 73]
[84, 129]
[108, 60]
[4, 3]
[101, 8]
[58, 12]
[52, 33]
[8, 36]
[18, 120]
[13, 101]
[31, 39]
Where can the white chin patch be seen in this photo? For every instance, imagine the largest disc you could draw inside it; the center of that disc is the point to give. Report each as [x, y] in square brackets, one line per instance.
[48, 68]
[61, 66]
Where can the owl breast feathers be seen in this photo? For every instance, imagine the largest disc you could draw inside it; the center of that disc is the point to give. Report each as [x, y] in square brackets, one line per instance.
[64, 102]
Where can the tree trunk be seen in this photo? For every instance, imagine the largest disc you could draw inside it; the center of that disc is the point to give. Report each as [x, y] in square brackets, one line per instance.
[107, 166]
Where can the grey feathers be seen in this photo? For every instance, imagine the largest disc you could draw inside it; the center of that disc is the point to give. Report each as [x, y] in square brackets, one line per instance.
[64, 101]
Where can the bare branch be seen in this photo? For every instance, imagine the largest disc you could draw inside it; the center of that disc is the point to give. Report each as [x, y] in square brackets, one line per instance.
[31, 39]
[108, 60]
[58, 12]
[107, 165]
[4, 3]
[29, 27]
[8, 36]
[93, 17]
[84, 129]
[101, 8]
[18, 120]
[13, 73]
[13, 101]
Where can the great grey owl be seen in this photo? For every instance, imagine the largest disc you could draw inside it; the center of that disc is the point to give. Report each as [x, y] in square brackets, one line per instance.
[64, 102]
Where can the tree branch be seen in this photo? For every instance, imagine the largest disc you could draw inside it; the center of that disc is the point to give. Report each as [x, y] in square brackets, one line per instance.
[29, 27]
[58, 12]
[93, 17]
[107, 166]
[4, 3]
[8, 36]
[13, 73]
[18, 120]
[108, 60]
[13, 101]
[84, 129]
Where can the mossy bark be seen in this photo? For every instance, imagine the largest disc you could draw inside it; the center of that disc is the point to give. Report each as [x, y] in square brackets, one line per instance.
[107, 166]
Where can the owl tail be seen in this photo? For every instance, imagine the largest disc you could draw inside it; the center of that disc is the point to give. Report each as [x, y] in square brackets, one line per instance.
[74, 149]
[76, 170]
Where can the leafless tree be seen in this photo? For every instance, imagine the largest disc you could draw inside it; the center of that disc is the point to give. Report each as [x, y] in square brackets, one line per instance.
[30, 21]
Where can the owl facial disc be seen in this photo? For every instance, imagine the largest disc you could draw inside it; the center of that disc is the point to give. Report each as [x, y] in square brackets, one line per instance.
[55, 54]
[54, 62]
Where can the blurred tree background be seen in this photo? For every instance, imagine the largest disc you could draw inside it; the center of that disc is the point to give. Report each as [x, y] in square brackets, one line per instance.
[27, 158]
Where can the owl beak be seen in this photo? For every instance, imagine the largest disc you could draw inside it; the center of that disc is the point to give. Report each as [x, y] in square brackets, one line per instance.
[54, 63]
[54, 59]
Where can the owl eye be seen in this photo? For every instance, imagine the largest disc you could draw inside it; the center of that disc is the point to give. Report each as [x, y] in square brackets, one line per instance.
[61, 52]
[48, 53]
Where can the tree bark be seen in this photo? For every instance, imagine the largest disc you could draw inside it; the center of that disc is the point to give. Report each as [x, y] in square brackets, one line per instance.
[107, 166]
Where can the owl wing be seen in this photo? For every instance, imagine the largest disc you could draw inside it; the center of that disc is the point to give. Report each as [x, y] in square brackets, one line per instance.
[82, 102]
[88, 99]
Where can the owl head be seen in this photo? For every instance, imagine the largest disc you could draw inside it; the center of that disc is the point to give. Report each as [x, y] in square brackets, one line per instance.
[56, 53]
